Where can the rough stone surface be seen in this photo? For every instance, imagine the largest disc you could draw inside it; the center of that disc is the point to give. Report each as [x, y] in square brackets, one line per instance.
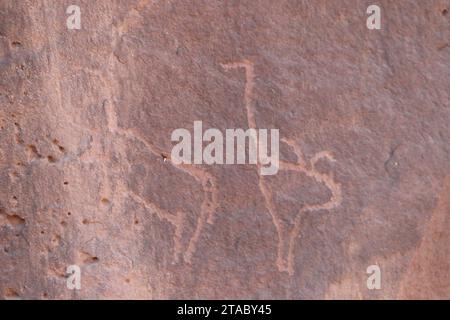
[86, 178]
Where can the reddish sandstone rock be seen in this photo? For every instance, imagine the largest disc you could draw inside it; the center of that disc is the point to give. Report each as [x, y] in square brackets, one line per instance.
[85, 171]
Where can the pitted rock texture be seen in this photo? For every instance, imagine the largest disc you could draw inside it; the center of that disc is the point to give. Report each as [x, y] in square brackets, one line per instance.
[86, 177]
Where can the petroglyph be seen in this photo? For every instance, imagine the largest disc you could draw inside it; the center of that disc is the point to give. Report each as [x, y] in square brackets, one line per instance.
[206, 180]
[175, 220]
[286, 237]
[249, 85]
[207, 208]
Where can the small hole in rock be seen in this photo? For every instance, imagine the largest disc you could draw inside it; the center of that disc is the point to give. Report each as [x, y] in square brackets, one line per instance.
[15, 220]
[11, 293]
[51, 159]
[444, 12]
[66, 183]
[68, 213]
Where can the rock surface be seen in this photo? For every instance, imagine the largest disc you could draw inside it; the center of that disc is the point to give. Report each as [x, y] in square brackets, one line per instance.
[85, 171]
